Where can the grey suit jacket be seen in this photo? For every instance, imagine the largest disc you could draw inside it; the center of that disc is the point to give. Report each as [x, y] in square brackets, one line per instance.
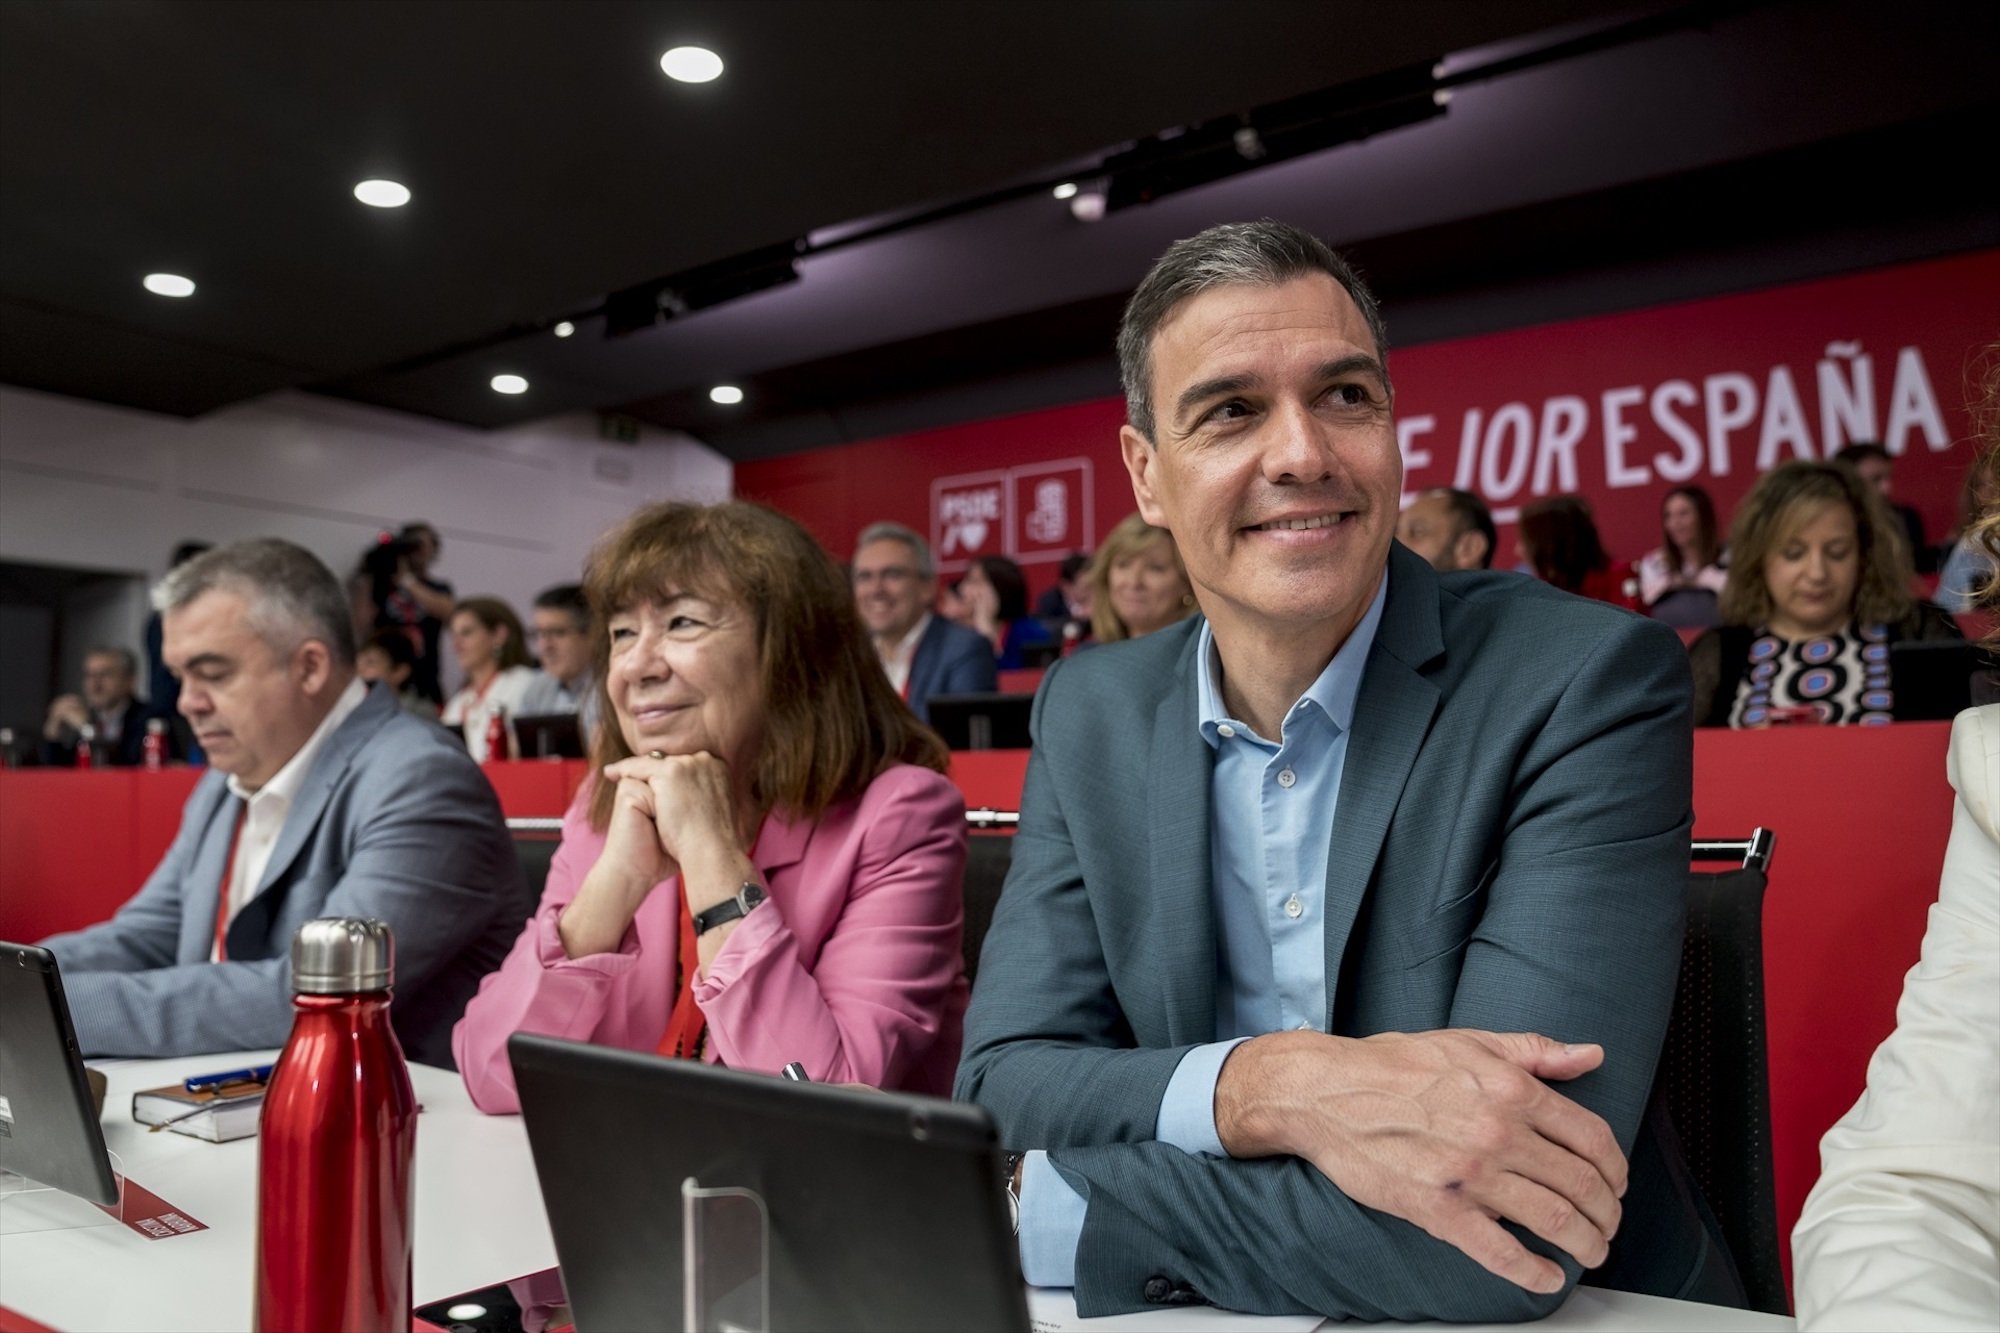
[951, 659]
[1510, 852]
[394, 822]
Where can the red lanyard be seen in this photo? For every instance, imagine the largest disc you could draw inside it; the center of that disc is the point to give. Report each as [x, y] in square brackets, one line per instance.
[687, 1026]
[228, 872]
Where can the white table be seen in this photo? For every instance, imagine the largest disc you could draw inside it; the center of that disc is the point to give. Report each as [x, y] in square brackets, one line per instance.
[479, 1221]
[479, 1216]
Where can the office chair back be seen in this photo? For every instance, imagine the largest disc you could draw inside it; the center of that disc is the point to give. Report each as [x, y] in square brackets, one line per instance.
[535, 843]
[1715, 1071]
[988, 853]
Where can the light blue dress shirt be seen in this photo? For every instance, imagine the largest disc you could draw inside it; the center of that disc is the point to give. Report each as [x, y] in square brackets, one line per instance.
[1272, 805]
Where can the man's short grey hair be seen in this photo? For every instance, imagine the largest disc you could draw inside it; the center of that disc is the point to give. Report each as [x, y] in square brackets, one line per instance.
[1236, 254]
[292, 596]
[896, 532]
[127, 659]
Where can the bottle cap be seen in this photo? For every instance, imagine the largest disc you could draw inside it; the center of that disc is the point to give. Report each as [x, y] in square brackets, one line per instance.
[343, 955]
[156, 726]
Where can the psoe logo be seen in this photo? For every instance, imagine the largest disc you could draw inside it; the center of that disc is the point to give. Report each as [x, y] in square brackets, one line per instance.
[969, 515]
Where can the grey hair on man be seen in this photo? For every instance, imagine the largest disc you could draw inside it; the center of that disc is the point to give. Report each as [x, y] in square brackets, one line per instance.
[896, 532]
[290, 594]
[1257, 254]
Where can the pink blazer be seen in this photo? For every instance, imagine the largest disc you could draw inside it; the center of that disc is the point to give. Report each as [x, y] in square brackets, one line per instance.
[851, 967]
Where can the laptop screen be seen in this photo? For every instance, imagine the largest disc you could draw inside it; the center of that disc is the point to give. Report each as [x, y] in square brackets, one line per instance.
[831, 1207]
[49, 1129]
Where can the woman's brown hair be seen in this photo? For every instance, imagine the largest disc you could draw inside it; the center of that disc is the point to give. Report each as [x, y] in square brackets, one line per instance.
[1559, 537]
[1132, 536]
[497, 615]
[1983, 526]
[1777, 504]
[831, 722]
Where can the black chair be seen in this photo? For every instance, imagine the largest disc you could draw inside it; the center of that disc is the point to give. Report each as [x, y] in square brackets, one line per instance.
[982, 721]
[988, 853]
[535, 843]
[1715, 1071]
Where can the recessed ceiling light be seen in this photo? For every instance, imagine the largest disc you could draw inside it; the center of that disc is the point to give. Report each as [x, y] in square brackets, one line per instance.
[169, 284]
[382, 194]
[726, 394]
[1067, 190]
[509, 384]
[692, 64]
[564, 329]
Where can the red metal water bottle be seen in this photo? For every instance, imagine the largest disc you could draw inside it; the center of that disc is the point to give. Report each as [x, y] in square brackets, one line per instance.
[338, 1142]
[86, 746]
[496, 736]
[155, 744]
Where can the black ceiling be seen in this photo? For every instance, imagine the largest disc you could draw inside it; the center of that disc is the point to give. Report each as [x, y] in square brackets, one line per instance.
[553, 165]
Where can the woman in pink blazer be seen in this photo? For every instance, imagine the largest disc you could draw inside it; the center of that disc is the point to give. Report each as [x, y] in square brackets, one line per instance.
[769, 867]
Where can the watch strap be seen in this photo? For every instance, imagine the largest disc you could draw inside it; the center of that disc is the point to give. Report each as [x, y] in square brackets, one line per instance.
[730, 909]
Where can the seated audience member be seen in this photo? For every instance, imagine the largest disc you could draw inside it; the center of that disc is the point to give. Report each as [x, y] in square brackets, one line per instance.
[923, 654]
[1818, 588]
[116, 716]
[1137, 582]
[1877, 468]
[1274, 1019]
[1902, 1229]
[1068, 598]
[559, 623]
[322, 799]
[390, 658]
[1681, 581]
[1451, 528]
[767, 867]
[1558, 540]
[996, 602]
[493, 654]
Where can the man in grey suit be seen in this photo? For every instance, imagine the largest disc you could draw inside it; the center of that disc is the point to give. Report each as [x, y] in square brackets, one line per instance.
[1344, 920]
[895, 584]
[323, 799]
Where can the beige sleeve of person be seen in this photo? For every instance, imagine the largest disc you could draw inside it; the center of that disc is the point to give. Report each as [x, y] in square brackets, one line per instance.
[1903, 1228]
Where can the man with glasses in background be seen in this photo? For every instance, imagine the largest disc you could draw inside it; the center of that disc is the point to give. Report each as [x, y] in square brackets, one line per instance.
[924, 654]
[559, 631]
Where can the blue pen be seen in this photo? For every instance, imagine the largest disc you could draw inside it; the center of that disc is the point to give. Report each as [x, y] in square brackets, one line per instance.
[201, 1081]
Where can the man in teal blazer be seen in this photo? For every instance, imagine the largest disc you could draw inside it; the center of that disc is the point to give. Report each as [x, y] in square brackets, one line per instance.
[1344, 920]
[322, 799]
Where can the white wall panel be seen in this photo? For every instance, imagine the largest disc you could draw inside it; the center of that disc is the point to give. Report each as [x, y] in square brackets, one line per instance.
[108, 488]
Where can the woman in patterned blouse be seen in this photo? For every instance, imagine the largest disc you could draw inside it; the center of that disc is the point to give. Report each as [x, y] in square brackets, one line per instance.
[1818, 589]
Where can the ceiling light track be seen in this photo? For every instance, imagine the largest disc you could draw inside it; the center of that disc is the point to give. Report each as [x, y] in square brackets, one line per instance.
[1180, 158]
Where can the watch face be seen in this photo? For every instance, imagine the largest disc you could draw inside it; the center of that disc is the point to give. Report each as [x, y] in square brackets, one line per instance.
[752, 894]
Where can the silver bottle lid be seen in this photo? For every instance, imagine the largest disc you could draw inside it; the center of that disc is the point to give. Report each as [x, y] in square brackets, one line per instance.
[343, 955]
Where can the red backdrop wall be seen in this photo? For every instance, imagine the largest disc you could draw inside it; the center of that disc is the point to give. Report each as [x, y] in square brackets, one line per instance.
[1617, 408]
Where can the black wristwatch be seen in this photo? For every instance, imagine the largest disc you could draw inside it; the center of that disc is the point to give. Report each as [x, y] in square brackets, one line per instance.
[747, 897]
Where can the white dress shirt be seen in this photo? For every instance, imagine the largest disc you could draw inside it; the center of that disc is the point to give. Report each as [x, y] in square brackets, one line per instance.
[265, 809]
[1903, 1229]
[898, 660]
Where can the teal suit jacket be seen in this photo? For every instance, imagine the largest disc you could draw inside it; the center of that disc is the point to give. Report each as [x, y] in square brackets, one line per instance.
[1510, 852]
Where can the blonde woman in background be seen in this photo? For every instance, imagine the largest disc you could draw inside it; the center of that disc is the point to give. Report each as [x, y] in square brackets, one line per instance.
[1137, 582]
[1903, 1229]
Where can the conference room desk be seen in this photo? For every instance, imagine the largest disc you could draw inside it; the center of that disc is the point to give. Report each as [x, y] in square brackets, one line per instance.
[479, 1221]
